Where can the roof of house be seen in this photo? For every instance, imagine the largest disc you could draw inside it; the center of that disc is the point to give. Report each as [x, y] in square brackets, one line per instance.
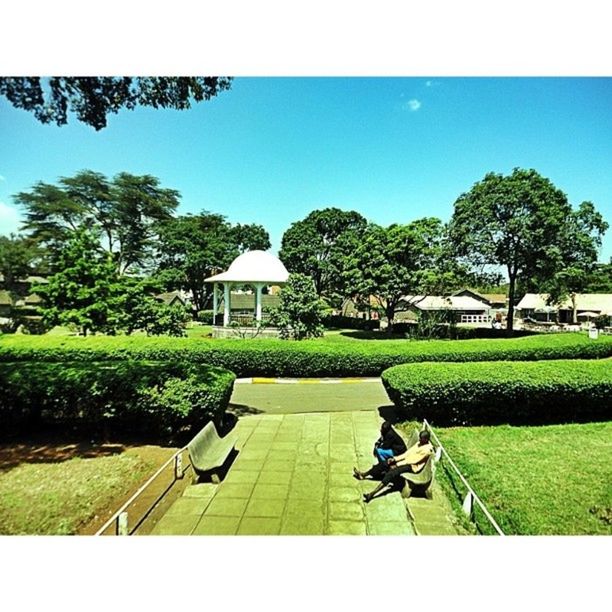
[439, 302]
[253, 266]
[490, 298]
[169, 297]
[595, 302]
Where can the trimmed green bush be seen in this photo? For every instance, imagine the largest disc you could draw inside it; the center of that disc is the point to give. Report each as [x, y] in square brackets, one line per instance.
[320, 357]
[154, 398]
[502, 392]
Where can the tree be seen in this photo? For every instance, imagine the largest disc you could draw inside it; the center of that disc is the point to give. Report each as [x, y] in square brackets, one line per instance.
[299, 313]
[514, 221]
[600, 279]
[251, 237]
[86, 291]
[93, 98]
[125, 212]
[571, 263]
[318, 246]
[18, 257]
[400, 260]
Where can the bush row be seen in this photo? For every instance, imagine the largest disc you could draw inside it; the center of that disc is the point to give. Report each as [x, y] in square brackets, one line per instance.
[153, 398]
[321, 357]
[502, 392]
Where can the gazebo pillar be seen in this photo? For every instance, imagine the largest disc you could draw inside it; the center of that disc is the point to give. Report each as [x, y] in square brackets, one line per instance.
[258, 288]
[215, 304]
[226, 304]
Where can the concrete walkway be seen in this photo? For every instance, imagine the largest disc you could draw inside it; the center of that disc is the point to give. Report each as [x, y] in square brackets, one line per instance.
[253, 396]
[293, 476]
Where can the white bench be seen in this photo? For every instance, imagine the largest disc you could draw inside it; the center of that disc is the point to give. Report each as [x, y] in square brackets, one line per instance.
[208, 451]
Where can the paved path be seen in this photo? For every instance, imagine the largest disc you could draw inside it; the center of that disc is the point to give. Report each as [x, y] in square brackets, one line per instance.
[303, 396]
[293, 476]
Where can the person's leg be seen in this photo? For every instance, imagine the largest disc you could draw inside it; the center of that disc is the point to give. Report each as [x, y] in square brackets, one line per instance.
[376, 471]
[388, 478]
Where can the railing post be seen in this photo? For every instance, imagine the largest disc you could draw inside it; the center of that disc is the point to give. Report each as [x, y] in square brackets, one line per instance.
[122, 524]
[178, 466]
[468, 504]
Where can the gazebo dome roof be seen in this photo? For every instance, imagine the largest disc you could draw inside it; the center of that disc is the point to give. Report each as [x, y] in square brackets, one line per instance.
[253, 266]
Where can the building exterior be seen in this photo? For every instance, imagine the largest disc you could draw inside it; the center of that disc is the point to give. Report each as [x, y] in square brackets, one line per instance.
[588, 306]
[466, 309]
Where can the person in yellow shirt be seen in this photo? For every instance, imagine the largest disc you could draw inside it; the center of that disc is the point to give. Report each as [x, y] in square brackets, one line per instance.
[413, 460]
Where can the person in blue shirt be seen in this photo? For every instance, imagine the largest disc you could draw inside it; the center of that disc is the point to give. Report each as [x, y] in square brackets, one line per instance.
[389, 445]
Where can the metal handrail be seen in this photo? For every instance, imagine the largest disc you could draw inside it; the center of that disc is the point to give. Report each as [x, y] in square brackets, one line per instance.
[471, 495]
[120, 516]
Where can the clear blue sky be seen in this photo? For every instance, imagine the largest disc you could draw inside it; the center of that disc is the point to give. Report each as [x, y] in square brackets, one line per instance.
[270, 150]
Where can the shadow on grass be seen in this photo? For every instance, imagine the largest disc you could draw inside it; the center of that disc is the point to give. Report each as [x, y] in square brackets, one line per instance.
[372, 335]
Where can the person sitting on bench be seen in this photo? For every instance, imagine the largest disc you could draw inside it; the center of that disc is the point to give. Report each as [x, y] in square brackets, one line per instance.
[413, 460]
[390, 444]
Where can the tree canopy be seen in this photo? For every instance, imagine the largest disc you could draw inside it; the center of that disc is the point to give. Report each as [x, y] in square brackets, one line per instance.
[318, 246]
[392, 262]
[91, 99]
[516, 221]
[18, 259]
[124, 211]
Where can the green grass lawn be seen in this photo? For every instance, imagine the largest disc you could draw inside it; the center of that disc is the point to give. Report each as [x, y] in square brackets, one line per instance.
[550, 480]
[56, 498]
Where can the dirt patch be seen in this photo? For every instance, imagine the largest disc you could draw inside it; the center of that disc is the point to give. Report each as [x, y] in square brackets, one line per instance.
[57, 447]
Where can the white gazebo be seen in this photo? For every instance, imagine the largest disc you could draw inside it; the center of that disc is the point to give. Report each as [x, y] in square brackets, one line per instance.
[256, 268]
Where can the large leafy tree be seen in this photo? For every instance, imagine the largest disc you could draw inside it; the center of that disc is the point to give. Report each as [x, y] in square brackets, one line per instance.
[86, 291]
[251, 237]
[514, 221]
[600, 279]
[318, 246]
[18, 259]
[572, 261]
[93, 98]
[392, 262]
[193, 247]
[124, 211]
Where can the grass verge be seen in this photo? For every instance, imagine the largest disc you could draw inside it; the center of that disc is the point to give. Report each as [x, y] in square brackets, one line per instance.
[547, 480]
[58, 494]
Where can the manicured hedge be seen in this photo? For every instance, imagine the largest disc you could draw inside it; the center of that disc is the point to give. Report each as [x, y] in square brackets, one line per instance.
[158, 398]
[321, 357]
[503, 392]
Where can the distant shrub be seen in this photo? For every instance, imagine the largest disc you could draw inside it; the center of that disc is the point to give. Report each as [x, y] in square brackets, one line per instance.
[502, 392]
[155, 398]
[206, 317]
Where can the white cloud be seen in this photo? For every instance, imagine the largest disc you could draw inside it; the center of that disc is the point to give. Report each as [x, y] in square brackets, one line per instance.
[10, 219]
[413, 105]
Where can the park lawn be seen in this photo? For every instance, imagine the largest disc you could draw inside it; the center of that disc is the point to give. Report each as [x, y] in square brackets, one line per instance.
[546, 480]
[59, 497]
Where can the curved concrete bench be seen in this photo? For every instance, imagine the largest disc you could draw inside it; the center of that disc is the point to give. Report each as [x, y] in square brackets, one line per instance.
[208, 451]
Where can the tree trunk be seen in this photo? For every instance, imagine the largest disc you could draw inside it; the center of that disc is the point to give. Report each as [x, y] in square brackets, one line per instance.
[574, 309]
[511, 290]
[390, 312]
